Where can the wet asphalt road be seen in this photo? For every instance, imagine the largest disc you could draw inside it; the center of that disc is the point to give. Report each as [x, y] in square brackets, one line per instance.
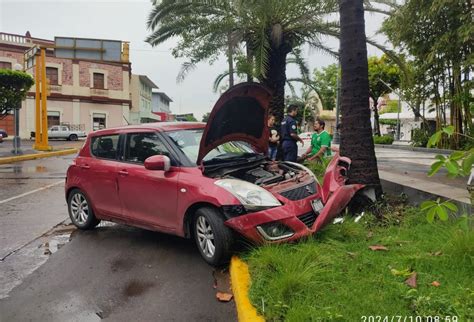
[115, 272]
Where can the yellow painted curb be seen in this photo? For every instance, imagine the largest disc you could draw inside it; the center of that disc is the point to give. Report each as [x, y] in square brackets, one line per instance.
[37, 156]
[240, 280]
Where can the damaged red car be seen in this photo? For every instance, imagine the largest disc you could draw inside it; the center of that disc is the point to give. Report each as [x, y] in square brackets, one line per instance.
[211, 182]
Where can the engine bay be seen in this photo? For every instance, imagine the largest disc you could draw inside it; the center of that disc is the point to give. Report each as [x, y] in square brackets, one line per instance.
[264, 173]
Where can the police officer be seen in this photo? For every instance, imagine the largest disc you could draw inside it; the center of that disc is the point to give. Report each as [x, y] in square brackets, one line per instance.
[289, 135]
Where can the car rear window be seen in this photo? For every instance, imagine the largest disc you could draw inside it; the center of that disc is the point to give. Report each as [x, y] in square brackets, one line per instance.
[105, 147]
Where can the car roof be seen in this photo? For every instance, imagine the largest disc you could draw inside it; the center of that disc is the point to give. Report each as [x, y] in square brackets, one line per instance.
[158, 126]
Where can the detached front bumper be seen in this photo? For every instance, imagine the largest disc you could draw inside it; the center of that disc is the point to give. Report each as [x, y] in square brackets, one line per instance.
[298, 216]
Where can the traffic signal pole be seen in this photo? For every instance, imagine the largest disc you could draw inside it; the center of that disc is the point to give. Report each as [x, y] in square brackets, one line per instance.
[41, 131]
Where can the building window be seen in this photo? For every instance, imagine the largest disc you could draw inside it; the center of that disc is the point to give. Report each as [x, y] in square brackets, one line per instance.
[53, 118]
[98, 121]
[52, 75]
[5, 65]
[99, 81]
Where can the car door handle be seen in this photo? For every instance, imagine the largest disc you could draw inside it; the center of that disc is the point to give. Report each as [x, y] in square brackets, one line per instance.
[123, 172]
[85, 166]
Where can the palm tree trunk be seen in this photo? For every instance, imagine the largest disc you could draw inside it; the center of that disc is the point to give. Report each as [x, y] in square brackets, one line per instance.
[275, 79]
[230, 59]
[356, 136]
[249, 60]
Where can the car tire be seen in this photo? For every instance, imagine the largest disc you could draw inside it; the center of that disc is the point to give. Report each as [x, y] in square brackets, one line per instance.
[80, 210]
[73, 137]
[209, 222]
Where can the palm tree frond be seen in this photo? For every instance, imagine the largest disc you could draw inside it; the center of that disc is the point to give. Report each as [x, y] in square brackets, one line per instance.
[186, 67]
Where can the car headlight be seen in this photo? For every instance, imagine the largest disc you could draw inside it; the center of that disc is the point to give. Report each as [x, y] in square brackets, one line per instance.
[302, 167]
[251, 196]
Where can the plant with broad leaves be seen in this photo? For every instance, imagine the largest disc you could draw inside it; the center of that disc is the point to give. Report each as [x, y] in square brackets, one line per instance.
[458, 163]
[434, 208]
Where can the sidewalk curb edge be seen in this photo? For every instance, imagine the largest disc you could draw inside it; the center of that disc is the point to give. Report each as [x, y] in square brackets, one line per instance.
[240, 281]
[37, 156]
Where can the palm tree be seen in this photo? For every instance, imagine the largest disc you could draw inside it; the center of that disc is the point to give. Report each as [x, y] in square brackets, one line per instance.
[269, 30]
[356, 136]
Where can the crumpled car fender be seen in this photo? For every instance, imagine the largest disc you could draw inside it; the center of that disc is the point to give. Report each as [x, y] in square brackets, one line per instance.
[338, 200]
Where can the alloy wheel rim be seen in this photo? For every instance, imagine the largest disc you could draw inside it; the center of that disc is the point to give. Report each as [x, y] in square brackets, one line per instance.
[79, 209]
[205, 237]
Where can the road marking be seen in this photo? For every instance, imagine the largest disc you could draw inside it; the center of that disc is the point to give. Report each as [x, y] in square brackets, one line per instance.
[32, 191]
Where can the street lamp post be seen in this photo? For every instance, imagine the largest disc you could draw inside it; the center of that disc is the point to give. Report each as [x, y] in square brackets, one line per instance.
[16, 114]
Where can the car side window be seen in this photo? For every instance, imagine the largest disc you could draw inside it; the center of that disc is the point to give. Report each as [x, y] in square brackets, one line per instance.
[54, 129]
[64, 128]
[105, 147]
[140, 146]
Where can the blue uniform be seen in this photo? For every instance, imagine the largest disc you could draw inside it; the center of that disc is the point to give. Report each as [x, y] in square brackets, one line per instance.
[290, 149]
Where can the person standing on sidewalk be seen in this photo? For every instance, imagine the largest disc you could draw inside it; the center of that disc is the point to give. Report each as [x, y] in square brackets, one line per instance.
[274, 138]
[320, 142]
[289, 135]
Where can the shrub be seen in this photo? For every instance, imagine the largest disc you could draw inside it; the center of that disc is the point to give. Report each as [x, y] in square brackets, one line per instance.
[420, 137]
[384, 139]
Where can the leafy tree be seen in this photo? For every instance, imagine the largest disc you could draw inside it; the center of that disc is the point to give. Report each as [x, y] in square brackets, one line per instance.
[190, 118]
[384, 76]
[325, 80]
[14, 86]
[438, 35]
[356, 132]
[205, 117]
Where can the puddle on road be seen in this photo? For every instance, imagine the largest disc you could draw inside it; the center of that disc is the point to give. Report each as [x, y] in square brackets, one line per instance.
[22, 262]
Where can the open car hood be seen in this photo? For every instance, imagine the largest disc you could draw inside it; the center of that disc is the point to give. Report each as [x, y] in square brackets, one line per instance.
[240, 114]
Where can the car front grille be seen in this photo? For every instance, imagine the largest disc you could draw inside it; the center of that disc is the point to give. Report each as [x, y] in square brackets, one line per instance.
[300, 192]
[308, 219]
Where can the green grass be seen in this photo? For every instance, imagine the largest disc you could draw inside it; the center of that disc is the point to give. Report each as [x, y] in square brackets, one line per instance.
[335, 276]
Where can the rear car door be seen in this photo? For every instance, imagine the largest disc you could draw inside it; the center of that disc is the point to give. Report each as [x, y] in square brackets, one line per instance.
[99, 174]
[149, 197]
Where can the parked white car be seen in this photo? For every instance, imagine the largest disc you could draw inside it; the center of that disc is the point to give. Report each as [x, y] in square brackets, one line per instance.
[63, 132]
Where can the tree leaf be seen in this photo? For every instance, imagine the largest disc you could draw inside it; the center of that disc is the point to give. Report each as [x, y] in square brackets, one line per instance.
[449, 130]
[440, 157]
[468, 162]
[378, 247]
[435, 168]
[452, 167]
[427, 204]
[411, 281]
[458, 155]
[451, 206]
[434, 139]
[430, 214]
[442, 214]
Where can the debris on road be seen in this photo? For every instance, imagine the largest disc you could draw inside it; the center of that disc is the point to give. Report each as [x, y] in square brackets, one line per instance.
[222, 285]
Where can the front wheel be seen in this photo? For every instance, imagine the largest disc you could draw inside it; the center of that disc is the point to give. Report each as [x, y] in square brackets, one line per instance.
[213, 239]
[73, 137]
[80, 210]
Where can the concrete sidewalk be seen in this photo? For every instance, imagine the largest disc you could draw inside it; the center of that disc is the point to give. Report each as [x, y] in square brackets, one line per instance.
[28, 153]
[410, 168]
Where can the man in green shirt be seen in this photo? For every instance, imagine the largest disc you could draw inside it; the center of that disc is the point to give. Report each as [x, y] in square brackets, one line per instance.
[320, 142]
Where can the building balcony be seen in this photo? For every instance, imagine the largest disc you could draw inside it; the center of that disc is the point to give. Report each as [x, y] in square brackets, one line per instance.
[99, 92]
[55, 88]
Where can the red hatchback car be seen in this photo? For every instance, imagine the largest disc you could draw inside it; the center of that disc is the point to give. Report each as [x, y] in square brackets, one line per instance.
[204, 181]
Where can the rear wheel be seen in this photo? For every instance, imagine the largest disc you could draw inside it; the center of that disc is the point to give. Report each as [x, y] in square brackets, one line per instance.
[73, 137]
[213, 239]
[80, 210]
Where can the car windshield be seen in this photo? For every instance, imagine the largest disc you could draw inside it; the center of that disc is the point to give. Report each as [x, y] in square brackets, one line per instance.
[188, 141]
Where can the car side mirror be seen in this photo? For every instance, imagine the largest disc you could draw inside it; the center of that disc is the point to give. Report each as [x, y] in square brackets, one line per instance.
[158, 162]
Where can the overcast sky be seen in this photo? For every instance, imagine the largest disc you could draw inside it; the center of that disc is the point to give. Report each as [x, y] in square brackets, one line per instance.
[126, 20]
